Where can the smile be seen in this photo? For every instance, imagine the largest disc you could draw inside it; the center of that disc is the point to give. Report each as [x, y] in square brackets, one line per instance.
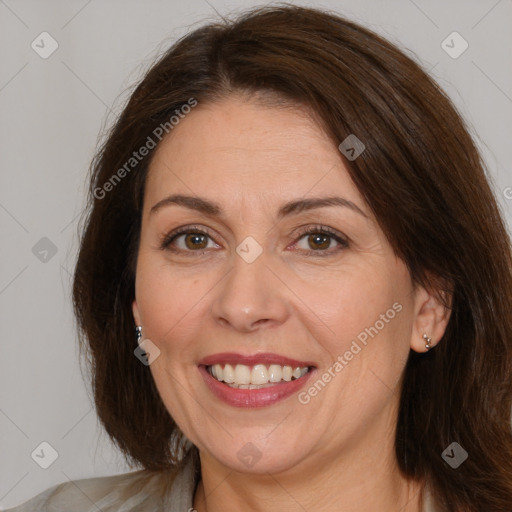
[258, 376]
[257, 380]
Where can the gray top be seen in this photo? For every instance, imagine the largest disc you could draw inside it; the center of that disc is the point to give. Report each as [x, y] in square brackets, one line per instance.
[138, 491]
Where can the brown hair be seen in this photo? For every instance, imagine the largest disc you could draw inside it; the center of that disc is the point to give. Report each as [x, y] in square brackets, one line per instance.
[424, 180]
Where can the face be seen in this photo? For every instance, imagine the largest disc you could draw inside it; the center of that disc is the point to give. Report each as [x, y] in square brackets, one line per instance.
[257, 271]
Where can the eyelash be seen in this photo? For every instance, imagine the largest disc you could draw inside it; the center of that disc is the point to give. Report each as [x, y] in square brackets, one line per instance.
[312, 230]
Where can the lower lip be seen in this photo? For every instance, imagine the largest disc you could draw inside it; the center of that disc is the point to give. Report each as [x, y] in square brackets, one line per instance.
[250, 398]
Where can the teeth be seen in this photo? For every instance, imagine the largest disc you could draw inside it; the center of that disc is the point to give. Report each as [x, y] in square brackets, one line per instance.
[275, 373]
[259, 376]
[242, 374]
[229, 374]
[287, 373]
[218, 372]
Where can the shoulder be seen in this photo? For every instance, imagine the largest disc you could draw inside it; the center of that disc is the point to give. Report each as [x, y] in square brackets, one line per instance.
[430, 504]
[135, 491]
[84, 494]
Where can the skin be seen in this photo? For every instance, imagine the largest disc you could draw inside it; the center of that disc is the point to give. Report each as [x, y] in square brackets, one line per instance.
[337, 451]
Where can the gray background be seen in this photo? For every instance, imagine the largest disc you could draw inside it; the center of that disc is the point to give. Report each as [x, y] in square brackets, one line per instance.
[52, 111]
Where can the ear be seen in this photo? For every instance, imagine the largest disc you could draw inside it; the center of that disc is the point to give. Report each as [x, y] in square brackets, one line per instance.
[432, 308]
[135, 311]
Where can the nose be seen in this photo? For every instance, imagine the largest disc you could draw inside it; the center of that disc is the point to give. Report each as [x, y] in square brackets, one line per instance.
[250, 297]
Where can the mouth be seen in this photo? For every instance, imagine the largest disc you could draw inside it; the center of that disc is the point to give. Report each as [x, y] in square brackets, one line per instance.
[254, 381]
[259, 376]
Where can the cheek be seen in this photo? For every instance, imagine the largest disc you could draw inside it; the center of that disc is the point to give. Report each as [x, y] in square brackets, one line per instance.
[376, 334]
[168, 302]
[365, 314]
[350, 299]
[172, 307]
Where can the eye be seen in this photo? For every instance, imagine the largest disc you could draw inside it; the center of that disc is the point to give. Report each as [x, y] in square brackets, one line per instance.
[319, 239]
[187, 239]
[192, 239]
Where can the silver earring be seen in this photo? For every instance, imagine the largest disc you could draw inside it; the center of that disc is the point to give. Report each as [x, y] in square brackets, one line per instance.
[138, 332]
[428, 346]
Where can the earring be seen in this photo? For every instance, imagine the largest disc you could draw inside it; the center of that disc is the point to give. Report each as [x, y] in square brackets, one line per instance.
[138, 332]
[428, 346]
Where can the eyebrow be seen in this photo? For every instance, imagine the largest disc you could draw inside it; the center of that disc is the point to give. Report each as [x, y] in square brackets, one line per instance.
[212, 209]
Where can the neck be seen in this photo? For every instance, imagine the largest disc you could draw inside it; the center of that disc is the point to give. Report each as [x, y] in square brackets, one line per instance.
[358, 479]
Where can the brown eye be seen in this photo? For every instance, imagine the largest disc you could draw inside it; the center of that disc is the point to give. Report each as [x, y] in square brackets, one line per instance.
[319, 241]
[188, 240]
[195, 241]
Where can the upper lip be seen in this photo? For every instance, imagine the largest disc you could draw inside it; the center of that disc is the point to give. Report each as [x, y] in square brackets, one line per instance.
[252, 360]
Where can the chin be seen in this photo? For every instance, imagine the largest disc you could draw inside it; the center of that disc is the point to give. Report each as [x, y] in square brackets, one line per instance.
[259, 455]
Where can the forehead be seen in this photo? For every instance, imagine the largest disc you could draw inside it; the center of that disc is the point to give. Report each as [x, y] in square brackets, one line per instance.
[237, 147]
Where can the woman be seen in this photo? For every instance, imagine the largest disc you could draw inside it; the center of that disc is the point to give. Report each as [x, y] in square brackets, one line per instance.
[294, 283]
